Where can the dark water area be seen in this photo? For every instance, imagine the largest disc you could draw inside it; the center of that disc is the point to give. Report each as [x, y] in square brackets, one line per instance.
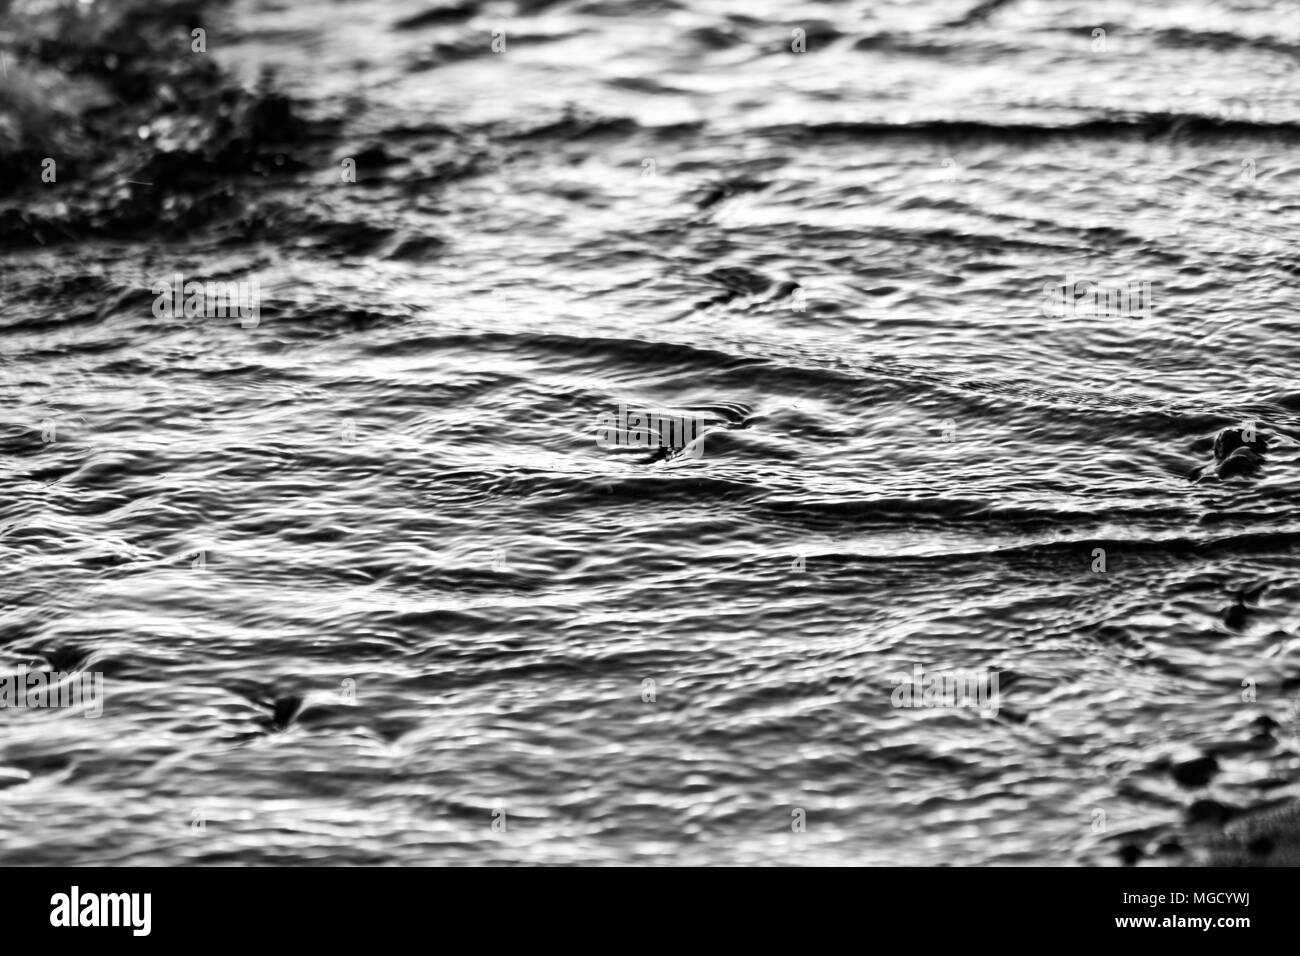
[359, 576]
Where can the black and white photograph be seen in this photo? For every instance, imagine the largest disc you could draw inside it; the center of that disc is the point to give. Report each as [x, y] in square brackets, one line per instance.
[676, 433]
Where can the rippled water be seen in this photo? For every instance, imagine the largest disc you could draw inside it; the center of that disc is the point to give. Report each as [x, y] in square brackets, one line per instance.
[386, 497]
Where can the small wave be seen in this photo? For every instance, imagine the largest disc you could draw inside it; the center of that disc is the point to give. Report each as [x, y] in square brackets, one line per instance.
[1128, 126]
